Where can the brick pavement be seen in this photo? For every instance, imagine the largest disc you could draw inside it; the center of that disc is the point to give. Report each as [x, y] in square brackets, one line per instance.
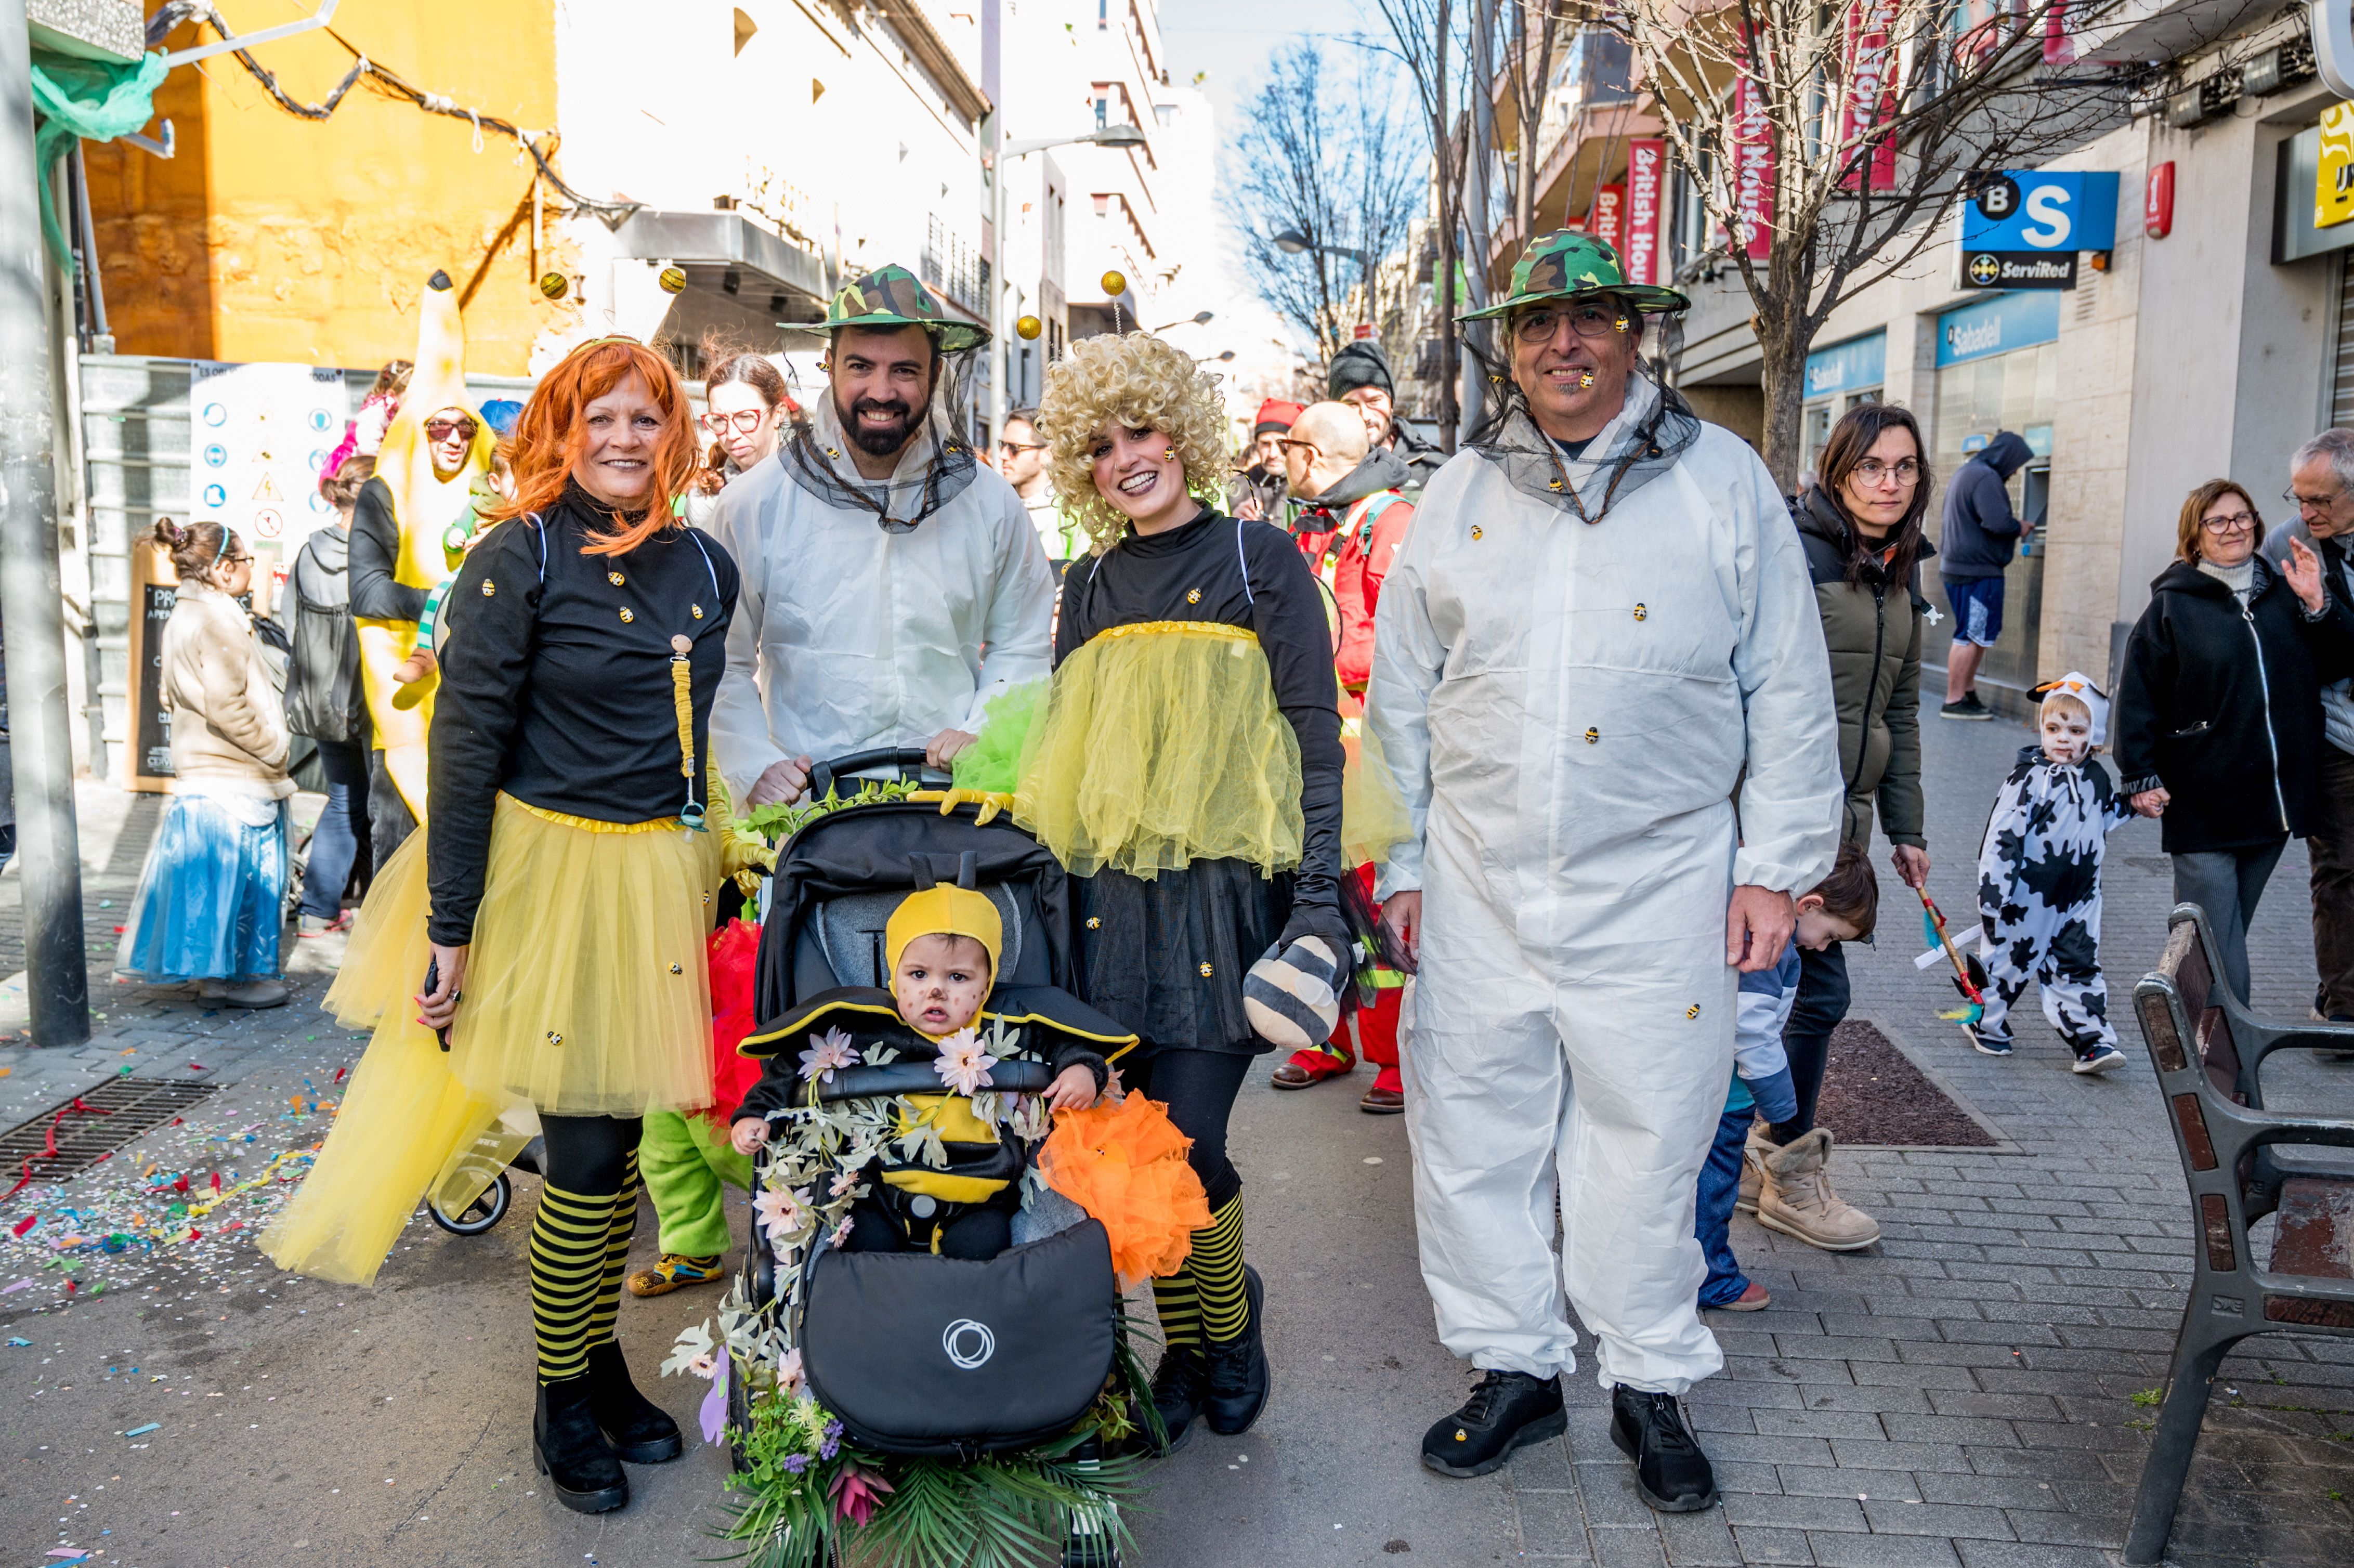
[1963, 1394]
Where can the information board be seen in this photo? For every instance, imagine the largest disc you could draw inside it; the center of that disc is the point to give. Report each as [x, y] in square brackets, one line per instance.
[259, 435]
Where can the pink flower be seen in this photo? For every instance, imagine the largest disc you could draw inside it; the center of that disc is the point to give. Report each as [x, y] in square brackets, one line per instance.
[857, 1492]
[963, 1062]
[827, 1055]
[781, 1213]
[788, 1371]
[844, 1180]
[840, 1233]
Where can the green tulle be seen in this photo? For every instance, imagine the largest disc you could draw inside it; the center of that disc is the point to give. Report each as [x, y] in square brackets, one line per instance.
[993, 762]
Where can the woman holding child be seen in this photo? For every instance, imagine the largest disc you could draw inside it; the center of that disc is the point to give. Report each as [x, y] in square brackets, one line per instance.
[1187, 770]
[559, 927]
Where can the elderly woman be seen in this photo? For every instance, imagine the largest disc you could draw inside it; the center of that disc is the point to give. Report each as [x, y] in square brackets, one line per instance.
[1188, 771]
[2217, 727]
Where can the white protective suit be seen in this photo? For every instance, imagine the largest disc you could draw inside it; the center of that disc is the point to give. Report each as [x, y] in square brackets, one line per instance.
[1566, 708]
[848, 637]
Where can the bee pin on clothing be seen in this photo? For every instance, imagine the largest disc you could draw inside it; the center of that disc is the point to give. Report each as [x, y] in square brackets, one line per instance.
[1592, 735]
[613, 577]
[1693, 1012]
[1640, 613]
[490, 589]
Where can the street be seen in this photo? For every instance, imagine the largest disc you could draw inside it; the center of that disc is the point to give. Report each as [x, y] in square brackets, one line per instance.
[1962, 1393]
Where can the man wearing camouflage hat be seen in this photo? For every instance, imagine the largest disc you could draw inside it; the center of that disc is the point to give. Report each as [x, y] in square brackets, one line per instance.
[893, 584]
[1599, 626]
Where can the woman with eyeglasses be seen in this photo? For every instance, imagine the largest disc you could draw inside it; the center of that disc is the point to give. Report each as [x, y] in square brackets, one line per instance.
[2216, 726]
[1861, 526]
[745, 407]
[212, 898]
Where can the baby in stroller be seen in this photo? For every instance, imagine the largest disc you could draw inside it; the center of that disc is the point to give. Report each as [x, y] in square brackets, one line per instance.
[942, 946]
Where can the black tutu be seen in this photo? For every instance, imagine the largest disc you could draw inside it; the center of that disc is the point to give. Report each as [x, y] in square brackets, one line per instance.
[1167, 956]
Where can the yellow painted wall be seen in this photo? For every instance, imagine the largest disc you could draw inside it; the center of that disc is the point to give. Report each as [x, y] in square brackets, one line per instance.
[274, 236]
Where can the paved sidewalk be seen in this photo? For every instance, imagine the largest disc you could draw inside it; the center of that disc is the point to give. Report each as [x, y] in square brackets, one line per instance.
[1960, 1394]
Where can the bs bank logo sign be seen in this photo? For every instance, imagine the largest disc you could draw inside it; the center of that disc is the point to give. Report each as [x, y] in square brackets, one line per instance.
[2026, 209]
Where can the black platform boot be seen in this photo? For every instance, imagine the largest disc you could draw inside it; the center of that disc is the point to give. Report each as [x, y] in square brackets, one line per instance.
[1671, 1471]
[1179, 1384]
[1239, 1369]
[639, 1429]
[572, 1454]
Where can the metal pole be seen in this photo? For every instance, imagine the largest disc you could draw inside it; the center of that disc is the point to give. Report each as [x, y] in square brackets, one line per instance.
[32, 596]
[998, 355]
[1476, 237]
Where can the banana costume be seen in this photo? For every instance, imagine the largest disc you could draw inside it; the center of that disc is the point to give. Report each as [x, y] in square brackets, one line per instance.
[424, 503]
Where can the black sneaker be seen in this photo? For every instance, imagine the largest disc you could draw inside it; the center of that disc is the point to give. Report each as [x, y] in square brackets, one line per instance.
[1179, 1384]
[1507, 1410]
[1969, 707]
[1671, 1471]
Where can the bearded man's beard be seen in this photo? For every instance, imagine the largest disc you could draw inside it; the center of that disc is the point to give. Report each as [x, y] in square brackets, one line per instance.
[879, 440]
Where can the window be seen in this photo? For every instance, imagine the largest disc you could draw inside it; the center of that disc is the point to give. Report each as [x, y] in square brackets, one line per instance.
[1103, 15]
[1103, 111]
[1166, 113]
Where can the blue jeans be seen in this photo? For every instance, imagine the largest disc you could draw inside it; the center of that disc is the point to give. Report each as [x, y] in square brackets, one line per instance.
[1720, 1185]
[342, 828]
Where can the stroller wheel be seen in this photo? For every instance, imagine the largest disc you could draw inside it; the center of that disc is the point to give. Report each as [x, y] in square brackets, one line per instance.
[1090, 1552]
[481, 1215]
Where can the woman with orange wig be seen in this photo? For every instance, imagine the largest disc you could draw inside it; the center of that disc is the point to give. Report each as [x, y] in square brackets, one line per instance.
[556, 908]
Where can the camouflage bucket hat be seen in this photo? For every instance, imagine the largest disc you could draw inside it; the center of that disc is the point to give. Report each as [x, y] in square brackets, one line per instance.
[891, 297]
[1565, 264]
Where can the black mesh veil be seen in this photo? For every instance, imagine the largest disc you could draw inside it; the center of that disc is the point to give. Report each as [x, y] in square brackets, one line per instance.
[938, 463]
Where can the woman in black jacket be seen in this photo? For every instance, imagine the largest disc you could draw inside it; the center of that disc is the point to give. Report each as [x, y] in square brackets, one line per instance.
[2218, 721]
[324, 702]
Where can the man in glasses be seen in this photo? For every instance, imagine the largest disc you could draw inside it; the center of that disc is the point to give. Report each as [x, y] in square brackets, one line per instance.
[2321, 489]
[893, 584]
[1259, 491]
[1359, 376]
[1021, 459]
[1598, 638]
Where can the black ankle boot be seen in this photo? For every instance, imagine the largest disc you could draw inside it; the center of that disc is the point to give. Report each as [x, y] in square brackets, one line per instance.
[1507, 1410]
[1671, 1471]
[1179, 1385]
[638, 1428]
[572, 1454]
[1239, 1369]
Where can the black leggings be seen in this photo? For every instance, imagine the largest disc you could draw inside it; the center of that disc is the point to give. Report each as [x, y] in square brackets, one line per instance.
[1199, 1088]
[589, 1153]
[1821, 1003]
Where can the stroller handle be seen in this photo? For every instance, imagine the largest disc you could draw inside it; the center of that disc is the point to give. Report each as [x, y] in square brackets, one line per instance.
[1014, 1076]
[823, 774]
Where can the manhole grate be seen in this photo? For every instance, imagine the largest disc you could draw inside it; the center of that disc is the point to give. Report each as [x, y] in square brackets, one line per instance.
[75, 1134]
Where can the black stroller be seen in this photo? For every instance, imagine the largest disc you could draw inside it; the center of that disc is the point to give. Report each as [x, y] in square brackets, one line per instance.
[944, 1366]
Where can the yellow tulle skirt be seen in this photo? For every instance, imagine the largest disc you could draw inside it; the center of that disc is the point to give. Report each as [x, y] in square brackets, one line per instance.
[1162, 745]
[586, 993]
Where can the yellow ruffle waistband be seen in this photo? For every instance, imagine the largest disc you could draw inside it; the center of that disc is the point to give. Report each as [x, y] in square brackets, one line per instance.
[591, 825]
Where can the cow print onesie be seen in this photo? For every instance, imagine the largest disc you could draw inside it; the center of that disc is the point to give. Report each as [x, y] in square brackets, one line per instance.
[2040, 896]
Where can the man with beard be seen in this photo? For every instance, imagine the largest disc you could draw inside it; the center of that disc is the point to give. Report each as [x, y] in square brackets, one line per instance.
[882, 562]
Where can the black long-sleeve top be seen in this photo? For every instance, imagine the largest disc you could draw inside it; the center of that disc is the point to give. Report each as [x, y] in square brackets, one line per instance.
[1158, 577]
[557, 689]
[375, 556]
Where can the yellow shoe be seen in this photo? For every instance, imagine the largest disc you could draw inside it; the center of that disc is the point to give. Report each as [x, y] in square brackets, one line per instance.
[675, 1272]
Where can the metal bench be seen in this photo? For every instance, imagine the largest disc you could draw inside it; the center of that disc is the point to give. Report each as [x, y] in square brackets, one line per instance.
[2241, 1162]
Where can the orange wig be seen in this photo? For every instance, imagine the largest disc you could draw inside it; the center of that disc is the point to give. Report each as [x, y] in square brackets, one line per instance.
[551, 436]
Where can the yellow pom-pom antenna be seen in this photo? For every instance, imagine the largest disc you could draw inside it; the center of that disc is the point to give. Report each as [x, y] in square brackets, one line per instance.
[674, 280]
[554, 284]
[1029, 327]
[1114, 284]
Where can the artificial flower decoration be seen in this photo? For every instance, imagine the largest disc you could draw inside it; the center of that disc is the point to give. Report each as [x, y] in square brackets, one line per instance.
[781, 1213]
[963, 1063]
[827, 1055]
[692, 1346]
[858, 1491]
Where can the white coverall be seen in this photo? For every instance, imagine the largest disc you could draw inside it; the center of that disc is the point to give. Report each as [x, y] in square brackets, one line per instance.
[847, 637]
[1566, 708]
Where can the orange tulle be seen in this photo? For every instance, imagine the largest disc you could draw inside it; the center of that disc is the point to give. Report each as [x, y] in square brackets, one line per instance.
[1125, 1165]
[735, 954]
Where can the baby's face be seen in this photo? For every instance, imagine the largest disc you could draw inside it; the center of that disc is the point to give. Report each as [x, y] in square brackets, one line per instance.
[2067, 738]
[940, 983]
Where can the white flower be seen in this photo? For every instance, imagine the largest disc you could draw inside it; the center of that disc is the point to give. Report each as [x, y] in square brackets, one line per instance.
[781, 1213]
[963, 1062]
[704, 1366]
[788, 1373]
[827, 1053]
[693, 1345]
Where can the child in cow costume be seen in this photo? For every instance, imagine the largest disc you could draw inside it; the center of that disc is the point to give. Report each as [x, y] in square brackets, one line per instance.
[2040, 880]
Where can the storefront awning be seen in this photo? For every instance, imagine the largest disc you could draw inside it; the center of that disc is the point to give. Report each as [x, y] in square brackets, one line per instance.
[721, 243]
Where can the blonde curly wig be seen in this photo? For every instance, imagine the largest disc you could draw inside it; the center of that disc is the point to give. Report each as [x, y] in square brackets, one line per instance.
[1140, 382]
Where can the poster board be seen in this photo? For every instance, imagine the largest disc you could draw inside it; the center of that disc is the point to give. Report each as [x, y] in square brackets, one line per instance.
[147, 752]
[259, 437]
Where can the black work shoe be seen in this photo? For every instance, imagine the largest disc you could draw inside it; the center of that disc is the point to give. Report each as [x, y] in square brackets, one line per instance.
[572, 1454]
[1179, 1385]
[1671, 1471]
[638, 1428]
[1507, 1410]
[1238, 1369]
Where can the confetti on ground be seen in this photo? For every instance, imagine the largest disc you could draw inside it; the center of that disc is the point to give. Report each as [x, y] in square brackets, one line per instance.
[142, 1431]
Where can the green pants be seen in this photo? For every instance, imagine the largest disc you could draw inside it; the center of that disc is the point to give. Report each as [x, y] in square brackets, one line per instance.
[682, 1160]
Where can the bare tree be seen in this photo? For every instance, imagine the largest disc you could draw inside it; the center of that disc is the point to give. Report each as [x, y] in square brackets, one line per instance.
[1332, 165]
[1532, 36]
[1840, 132]
[1422, 39]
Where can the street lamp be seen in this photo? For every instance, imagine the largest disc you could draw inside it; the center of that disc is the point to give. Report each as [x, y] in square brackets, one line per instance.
[1291, 243]
[1000, 353]
[1199, 318]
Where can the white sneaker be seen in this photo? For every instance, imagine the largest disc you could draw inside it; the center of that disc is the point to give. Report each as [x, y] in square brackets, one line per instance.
[245, 993]
[2099, 1059]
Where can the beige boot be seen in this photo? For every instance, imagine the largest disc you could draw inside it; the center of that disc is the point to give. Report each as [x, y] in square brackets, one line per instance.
[1753, 1169]
[1796, 1198]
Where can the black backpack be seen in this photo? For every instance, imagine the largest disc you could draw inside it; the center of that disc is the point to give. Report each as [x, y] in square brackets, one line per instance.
[324, 696]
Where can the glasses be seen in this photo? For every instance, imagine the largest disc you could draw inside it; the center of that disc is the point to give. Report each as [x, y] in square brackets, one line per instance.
[1872, 473]
[744, 419]
[1587, 321]
[236, 560]
[1287, 444]
[1016, 449]
[2314, 503]
[2230, 522]
[442, 429]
